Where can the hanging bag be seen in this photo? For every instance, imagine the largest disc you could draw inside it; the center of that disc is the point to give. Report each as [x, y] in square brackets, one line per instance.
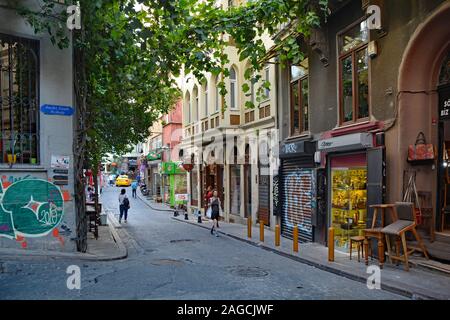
[421, 151]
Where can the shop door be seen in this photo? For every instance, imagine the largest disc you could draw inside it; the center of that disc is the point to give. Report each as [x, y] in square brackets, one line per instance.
[376, 180]
[235, 189]
[320, 221]
[219, 184]
[264, 195]
[297, 198]
[349, 198]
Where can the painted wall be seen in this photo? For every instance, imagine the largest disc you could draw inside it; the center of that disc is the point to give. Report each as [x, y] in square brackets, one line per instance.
[56, 138]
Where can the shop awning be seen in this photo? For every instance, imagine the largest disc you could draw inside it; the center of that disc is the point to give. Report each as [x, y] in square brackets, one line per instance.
[348, 142]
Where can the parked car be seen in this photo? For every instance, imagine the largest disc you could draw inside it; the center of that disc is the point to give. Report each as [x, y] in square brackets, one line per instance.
[123, 181]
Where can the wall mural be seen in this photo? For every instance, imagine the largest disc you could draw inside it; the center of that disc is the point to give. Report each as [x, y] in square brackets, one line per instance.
[30, 208]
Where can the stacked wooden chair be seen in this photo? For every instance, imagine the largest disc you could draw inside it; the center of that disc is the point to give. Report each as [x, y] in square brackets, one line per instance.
[404, 221]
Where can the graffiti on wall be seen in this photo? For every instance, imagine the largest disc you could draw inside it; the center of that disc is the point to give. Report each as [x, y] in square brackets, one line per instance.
[299, 199]
[30, 207]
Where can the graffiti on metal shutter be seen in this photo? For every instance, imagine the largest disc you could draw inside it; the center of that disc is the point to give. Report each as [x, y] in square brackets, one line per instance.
[298, 188]
[276, 195]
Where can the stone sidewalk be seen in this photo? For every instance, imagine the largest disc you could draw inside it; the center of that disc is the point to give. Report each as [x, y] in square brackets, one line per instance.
[107, 247]
[418, 283]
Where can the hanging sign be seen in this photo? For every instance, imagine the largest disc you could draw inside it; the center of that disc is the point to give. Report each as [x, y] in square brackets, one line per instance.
[56, 110]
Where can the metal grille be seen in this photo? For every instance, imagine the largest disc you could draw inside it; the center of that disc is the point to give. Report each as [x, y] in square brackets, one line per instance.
[19, 99]
[298, 197]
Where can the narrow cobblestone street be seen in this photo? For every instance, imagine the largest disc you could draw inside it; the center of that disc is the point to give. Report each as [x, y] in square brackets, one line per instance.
[172, 260]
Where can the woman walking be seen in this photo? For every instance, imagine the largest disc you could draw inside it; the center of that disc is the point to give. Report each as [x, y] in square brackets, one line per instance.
[124, 205]
[215, 204]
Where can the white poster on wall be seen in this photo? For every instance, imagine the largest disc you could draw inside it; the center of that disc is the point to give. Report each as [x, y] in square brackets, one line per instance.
[60, 162]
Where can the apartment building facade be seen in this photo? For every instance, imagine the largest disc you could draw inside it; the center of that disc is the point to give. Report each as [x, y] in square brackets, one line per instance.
[231, 147]
[36, 158]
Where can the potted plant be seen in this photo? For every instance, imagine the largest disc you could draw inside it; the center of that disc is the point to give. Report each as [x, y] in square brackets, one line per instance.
[12, 152]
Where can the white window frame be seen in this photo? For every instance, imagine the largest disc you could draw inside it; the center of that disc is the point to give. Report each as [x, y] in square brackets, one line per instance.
[234, 102]
[267, 78]
[206, 100]
[217, 106]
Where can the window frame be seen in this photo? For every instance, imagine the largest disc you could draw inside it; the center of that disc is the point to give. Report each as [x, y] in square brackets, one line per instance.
[205, 97]
[355, 90]
[189, 115]
[267, 78]
[299, 81]
[235, 84]
[218, 95]
[33, 47]
[196, 104]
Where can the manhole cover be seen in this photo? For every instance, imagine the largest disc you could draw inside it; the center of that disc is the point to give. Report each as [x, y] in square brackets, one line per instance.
[248, 272]
[167, 262]
[183, 240]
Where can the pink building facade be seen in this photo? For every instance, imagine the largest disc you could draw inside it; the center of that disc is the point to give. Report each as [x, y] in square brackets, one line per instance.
[172, 132]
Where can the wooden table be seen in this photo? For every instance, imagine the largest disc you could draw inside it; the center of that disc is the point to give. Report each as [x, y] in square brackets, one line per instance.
[375, 231]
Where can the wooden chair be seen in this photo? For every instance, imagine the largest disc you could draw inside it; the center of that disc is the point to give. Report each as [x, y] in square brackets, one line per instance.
[406, 221]
[427, 211]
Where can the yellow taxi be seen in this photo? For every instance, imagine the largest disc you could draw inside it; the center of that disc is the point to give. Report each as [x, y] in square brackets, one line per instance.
[123, 181]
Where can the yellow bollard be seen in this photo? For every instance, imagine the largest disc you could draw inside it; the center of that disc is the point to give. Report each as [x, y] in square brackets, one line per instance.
[331, 244]
[261, 230]
[277, 235]
[295, 238]
[249, 227]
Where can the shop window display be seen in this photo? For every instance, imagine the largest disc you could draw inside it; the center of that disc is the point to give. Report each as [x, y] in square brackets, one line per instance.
[349, 204]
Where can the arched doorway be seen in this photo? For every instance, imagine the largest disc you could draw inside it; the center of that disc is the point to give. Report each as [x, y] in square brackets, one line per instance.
[417, 102]
[443, 166]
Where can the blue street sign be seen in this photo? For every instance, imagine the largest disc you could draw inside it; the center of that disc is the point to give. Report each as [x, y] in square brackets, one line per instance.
[57, 110]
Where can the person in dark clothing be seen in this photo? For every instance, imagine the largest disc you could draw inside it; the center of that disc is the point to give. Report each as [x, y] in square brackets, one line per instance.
[215, 204]
[124, 205]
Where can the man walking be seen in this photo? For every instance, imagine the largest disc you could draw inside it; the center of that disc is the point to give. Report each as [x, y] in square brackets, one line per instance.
[134, 187]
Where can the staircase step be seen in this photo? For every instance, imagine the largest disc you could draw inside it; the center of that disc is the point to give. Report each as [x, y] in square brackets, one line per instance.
[431, 265]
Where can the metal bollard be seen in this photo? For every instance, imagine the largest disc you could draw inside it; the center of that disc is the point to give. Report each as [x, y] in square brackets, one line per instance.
[295, 238]
[277, 235]
[261, 230]
[331, 244]
[249, 227]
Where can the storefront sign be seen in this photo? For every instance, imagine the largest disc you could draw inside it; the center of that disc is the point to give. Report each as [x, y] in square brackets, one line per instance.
[57, 110]
[181, 197]
[348, 142]
[297, 149]
[444, 103]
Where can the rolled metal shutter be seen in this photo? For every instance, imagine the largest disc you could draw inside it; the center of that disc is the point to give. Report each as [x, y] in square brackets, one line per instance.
[298, 198]
[264, 198]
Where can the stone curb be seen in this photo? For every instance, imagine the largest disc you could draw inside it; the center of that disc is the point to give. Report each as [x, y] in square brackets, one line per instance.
[17, 253]
[146, 202]
[396, 288]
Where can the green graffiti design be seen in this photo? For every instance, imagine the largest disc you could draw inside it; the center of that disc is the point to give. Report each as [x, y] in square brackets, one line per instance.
[31, 208]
